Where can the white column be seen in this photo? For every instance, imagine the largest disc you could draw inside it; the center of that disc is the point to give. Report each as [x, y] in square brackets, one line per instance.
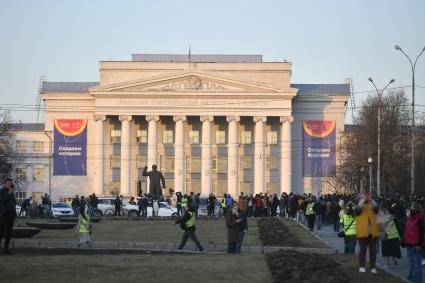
[152, 143]
[125, 155]
[232, 156]
[99, 155]
[206, 168]
[285, 154]
[260, 153]
[179, 158]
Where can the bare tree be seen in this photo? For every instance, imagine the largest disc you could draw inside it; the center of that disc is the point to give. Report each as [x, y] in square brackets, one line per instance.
[7, 150]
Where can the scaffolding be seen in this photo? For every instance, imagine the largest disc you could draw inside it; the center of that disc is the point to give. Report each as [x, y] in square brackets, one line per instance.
[42, 80]
[352, 98]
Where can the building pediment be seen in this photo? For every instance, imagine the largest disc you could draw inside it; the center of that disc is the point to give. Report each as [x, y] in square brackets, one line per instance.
[186, 82]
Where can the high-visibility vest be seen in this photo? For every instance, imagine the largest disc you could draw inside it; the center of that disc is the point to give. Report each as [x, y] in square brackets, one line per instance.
[346, 221]
[309, 210]
[191, 221]
[84, 224]
[392, 232]
[184, 202]
[224, 202]
[69, 203]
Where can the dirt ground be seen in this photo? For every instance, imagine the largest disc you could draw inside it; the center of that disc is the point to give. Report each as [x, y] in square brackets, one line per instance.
[287, 266]
[285, 233]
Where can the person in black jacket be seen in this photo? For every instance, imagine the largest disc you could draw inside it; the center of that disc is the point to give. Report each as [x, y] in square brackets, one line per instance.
[187, 223]
[155, 179]
[7, 214]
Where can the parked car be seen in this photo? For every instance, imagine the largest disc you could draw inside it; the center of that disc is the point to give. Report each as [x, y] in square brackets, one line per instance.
[106, 205]
[61, 209]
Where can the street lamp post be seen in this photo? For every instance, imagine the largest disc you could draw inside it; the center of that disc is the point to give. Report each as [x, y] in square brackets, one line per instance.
[49, 135]
[412, 166]
[378, 173]
[361, 179]
[369, 160]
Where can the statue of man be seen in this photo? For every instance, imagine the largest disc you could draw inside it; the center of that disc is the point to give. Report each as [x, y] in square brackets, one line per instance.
[155, 179]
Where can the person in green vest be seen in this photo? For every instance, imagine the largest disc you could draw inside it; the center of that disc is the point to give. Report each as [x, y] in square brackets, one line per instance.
[187, 223]
[184, 202]
[389, 235]
[69, 202]
[224, 204]
[84, 228]
[310, 214]
[348, 223]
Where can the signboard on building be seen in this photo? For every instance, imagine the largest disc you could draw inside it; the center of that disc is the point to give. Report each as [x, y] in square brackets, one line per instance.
[319, 143]
[70, 147]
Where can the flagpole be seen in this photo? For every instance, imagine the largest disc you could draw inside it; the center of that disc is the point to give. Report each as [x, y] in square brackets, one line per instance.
[189, 56]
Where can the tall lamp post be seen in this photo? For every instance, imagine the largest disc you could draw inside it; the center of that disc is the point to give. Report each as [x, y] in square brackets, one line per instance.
[49, 135]
[412, 166]
[378, 173]
[369, 160]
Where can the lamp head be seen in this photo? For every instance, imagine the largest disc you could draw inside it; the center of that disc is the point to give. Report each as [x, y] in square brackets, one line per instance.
[370, 79]
[398, 47]
[423, 49]
[369, 160]
[392, 80]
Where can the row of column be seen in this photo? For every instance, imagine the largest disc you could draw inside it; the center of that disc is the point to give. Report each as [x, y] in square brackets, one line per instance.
[206, 170]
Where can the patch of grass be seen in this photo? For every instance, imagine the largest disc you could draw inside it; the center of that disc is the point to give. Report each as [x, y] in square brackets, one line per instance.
[163, 231]
[135, 268]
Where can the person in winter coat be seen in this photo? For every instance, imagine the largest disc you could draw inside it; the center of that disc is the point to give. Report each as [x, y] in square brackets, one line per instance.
[367, 231]
[413, 240]
[233, 228]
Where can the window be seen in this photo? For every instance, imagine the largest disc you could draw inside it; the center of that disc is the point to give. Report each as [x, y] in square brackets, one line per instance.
[246, 137]
[193, 185]
[272, 137]
[245, 187]
[114, 188]
[20, 197]
[193, 137]
[271, 162]
[219, 187]
[21, 146]
[220, 137]
[167, 136]
[38, 174]
[169, 164]
[21, 174]
[115, 136]
[142, 136]
[140, 161]
[38, 146]
[115, 161]
[193, 164]
[271, 188]
[246, 162]
[220, 165]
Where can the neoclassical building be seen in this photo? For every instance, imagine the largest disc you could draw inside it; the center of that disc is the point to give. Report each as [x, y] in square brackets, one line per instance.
[211, 123]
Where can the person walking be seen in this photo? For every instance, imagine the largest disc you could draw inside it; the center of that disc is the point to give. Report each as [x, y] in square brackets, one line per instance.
[243, 227]
[367, 231]
[7, 214]
[413, 240]
[348, 222]
[233, 228]
[84, 228]
[187, 223]
[24, 208]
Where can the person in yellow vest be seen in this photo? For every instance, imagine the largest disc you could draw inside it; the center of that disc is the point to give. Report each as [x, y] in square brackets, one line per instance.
[187, 223]
[184, 203]
[310, 214]
[348, 223]
[367, 231]
[69, 202]
[388, 235]
[84, 228]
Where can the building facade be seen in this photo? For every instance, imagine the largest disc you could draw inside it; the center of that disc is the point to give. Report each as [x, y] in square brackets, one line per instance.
[211, 123]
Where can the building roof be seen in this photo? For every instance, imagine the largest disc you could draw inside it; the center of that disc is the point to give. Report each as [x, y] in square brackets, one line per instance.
[198, 58]
[335, 89]
[67, 86]
[27, 127]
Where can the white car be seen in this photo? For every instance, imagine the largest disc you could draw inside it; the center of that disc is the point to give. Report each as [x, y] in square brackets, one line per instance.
[106, 205]
[61, 209]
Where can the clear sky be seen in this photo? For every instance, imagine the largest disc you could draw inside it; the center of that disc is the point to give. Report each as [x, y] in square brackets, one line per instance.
[326, 41]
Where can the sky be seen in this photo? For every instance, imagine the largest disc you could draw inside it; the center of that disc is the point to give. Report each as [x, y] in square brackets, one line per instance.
[326, 41]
